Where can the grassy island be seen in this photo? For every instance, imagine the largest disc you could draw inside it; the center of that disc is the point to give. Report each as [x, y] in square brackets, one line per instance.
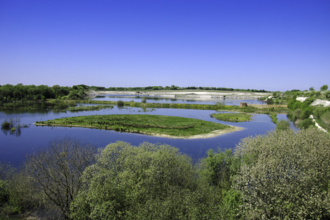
[165, 126]
[233, 117]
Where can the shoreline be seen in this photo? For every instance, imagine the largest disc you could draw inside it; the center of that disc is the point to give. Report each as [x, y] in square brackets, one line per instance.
[212, 134]
[190, 94]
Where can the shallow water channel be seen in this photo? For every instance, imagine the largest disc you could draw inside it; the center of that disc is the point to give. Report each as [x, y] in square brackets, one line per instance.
[15, 145]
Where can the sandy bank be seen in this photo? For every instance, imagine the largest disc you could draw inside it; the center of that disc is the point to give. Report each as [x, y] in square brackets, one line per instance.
[208, 135]
[189, 94]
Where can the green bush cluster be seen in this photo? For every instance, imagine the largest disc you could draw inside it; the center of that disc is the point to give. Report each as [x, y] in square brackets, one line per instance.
[19, 92]
[285, 175]
[145, 182]
[120, 103]
[282, 125]
[281, 175]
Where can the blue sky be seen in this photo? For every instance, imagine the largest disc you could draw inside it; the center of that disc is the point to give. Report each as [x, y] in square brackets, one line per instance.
[260, 44]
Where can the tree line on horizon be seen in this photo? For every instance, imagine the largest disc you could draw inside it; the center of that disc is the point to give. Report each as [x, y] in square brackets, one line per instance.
[20, 92]
[172, 87]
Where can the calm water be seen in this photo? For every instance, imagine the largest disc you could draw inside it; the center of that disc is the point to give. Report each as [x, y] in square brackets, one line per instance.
[14, 147]
[127, 98]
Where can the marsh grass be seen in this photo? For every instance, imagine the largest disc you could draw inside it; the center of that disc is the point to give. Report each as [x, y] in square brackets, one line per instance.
[248, 109]
[273, 116]
[149, 124]
[89, 108]
[233, 117]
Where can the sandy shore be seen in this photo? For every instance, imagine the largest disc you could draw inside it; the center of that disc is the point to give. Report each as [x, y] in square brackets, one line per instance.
[208, 135]
[188, 94]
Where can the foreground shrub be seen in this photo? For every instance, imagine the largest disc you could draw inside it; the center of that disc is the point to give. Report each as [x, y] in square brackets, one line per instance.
[56, 170]
[218, 170]
[285, 175]
[17, 192]
[145, 182]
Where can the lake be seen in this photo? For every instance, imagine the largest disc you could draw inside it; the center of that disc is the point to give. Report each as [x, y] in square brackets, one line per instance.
[14, 146]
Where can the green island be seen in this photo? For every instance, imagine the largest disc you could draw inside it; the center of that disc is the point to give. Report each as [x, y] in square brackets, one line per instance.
[233, 117]
[165, 126]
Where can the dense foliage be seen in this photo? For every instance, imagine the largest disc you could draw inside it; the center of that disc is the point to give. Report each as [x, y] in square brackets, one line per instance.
[9, 93]
[282, 175]
[172, 87]
[145, 182]
[285, 175]
[283, 125]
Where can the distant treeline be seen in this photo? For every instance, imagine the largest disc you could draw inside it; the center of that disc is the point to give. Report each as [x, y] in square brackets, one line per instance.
[9, 93]
[18, 92]
[173, 87]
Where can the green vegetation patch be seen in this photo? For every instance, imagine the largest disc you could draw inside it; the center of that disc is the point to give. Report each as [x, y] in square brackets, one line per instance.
[235, 117]
[248, 109]
[89, 108]
[150, 124]
[273, 116]
[326, 117]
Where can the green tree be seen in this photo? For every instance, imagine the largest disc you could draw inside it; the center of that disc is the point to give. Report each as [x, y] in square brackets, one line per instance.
[145, 182]
[311, 89]
[56, 90]
[120, 103]
[144, 100]
[324, 88]
[285, 175]
[218, 170]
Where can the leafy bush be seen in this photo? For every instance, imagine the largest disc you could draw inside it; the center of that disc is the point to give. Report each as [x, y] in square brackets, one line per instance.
[306, 123]
[5, 125]
[324, 88]
[144, 100]
[282, 125]
[145, 182]
[218, 170]
[294, 104]
[305, 113]
[326, 117]
[319, 111]
[297, 113]
[285, 175]
[327, 95]
[120, 103]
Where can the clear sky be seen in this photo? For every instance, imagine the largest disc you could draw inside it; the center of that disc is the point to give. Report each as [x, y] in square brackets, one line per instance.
[259, 44]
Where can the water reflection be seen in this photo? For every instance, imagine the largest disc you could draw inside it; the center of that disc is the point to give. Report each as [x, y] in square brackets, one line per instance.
[16, 132]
